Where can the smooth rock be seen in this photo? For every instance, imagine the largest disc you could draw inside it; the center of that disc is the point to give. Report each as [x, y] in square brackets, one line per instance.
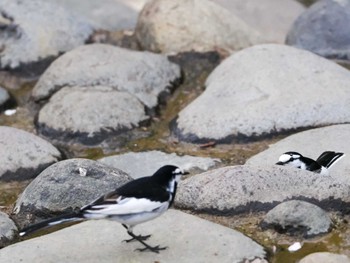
[106, 14]
[271, 18]
[146, 163]
[325, 257]
[241, 189]
[8, 230]
[174, 26]
[188, 238]
[324, 29]
[64, 187]
[24, 155]
[264, 90]
[75, 113]
[144, 75]
[37, 29]
[298, 217]
[311, 144]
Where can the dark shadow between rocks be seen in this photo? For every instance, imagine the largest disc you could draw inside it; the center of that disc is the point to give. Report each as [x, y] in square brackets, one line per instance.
[239, 138]
[329, 204]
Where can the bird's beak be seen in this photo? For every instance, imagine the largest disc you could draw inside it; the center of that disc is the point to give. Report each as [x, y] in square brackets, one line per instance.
[185, 172]
[280, 163]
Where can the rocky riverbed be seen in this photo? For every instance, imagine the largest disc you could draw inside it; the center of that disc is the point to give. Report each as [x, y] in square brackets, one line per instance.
[210, 86]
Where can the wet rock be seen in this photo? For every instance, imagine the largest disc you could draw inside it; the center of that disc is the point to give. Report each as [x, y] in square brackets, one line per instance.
[272, 18]
[74, 113]
[106, 14]
[241, 189]
[8, 230]
[64, 187]
[298, 217]
[324, 29]
[189, 239]
[311, 144]
[146, 163]
[144, 75]
[24, 155]
[325, 257]
[198, 25]
[264, 90]
[36, 30]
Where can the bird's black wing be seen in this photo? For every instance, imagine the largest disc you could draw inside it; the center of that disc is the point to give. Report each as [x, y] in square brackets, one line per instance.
[144, 187]
[139, 188]
[328, 158]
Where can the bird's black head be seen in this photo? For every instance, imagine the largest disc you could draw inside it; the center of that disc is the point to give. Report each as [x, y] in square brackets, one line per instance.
[168, 172]
[289, 158]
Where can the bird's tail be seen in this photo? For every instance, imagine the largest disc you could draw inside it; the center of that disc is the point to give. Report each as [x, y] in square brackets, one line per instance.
[74, 217]
[327, 159]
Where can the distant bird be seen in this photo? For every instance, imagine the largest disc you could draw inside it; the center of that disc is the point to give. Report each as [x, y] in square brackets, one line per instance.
[134, 203]
[321, 165]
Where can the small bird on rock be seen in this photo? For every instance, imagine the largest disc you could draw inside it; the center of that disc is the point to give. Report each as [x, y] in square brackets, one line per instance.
[321, 165]
[134, 203]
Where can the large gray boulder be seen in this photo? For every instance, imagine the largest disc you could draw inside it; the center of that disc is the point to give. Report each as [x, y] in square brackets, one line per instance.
[324, 29]
[271, 18]
[64, 187]
[266, 89]
[106, 14]
[24, 155]
[74, 112]
[298, 217]
[37, 29]
[170, 26]
[311, 144]
[241, 189]
[146, 163]
[142, 74]
[325, 257]
[8, 230]
[189, 240]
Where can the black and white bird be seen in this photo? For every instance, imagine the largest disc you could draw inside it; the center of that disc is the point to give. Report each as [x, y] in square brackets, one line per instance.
[321, 165]
[134, 203]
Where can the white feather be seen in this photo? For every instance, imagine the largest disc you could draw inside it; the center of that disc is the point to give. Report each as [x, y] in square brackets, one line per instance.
[126, 206]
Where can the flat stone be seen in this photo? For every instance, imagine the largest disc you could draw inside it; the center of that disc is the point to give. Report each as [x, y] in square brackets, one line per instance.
[242, 189]
[109, 15]
[38, 29]
[312, 143]
[298, 217]
[144, 75]
[264, 90]
[325, 257]
[74, 113]
[24, 155]
[146, 163]
[8, 230]
[188, 238]
[324, 29]
[174, 26]
[64, 187]
[271, 18]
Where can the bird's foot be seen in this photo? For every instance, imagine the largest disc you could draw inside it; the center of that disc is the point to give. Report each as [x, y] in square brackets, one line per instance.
[137, 238]
[155, 249]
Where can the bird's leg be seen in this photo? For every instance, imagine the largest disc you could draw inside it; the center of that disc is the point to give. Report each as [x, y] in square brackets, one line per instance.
[139, 237]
